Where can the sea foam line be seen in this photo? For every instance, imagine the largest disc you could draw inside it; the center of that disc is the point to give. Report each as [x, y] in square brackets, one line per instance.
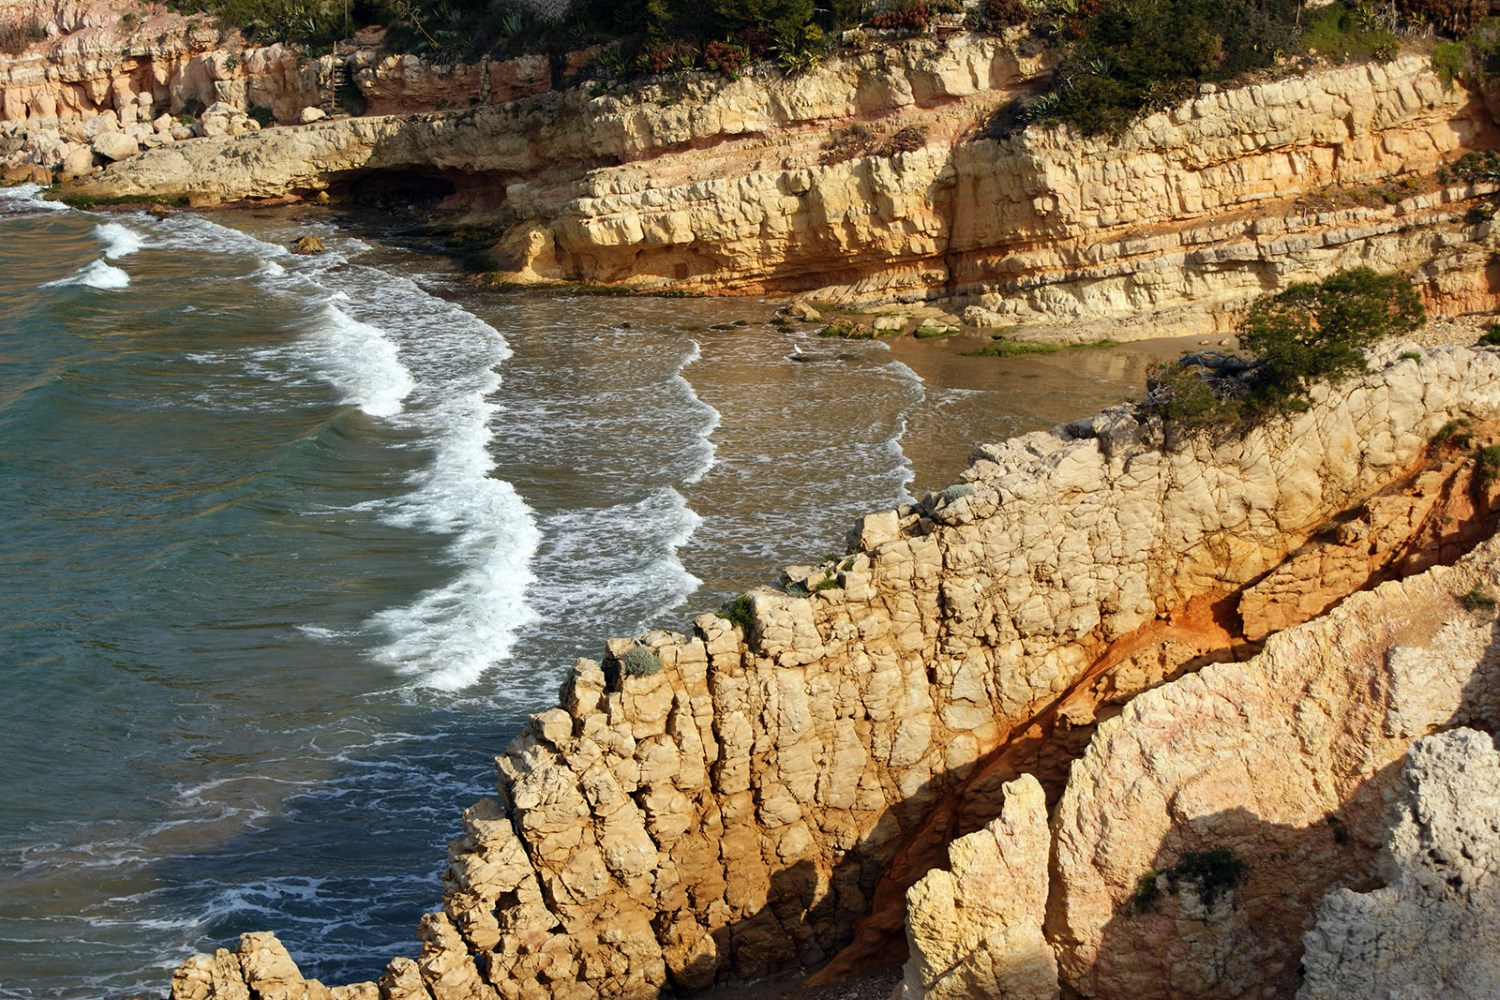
[24, 197]
[424, 365]
[708, 451]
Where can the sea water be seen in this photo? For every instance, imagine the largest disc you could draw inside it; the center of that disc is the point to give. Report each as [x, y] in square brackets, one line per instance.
[292, 545]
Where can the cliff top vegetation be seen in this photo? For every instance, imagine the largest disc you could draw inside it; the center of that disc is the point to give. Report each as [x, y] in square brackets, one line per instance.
[1117, 59]
[1306, 334]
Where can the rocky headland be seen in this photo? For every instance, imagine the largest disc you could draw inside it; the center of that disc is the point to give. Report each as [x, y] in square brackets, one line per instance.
[1127, 710]
[1010, 705]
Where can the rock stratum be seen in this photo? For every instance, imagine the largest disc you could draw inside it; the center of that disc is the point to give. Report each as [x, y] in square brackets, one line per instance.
[869, 181]
[1062, 628]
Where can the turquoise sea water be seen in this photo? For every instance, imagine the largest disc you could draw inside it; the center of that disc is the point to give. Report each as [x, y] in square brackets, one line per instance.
[292, 545]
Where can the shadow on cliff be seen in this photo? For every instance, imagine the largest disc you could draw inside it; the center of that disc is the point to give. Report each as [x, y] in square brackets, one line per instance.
[1221, 908]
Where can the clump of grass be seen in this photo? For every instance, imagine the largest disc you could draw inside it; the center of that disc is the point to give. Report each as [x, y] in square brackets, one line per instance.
[1411, 356]
[1491, 337]
[641, 661]
[1478, 600]
[796, 589]
[1211, 873]
[1455, 433]
[829, 582]
[1487, 464]
[739, 612]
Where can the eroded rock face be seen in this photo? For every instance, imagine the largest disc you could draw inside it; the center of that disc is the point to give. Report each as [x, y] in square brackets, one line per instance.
[975, 929]
[728, 186]
[730, 814]
[1434, 930]
[1287, 763]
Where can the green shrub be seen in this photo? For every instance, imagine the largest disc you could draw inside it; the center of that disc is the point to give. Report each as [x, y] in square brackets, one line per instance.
[829, 582]
[1136, 56]
[641, 661]
[1214, 871]
[1455, 433]
[1491, 336]
[263, 115]
[1147, 891]
[1478, 600]
[1342, 33]
[796, 589]
[1317, 332]
[1487, 464]
[1411, 355]
[1191, 396]
[740, 612]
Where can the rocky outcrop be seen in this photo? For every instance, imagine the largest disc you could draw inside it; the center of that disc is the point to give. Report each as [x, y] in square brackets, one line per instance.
[766, 184]
[975, 928]
[723, 803]
[1284, 764]
[1435, 928]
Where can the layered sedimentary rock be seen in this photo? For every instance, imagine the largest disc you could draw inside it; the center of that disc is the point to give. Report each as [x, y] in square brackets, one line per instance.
[1434, 930]
[730, 813]
[763, 184]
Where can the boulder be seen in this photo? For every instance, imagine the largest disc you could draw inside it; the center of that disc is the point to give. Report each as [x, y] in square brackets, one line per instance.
[116, 146]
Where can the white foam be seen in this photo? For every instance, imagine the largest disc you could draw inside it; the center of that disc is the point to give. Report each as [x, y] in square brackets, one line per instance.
[451, 634]
[711, 418]
[118, 240]
[24, 198]
[94, 274]
[358, 360]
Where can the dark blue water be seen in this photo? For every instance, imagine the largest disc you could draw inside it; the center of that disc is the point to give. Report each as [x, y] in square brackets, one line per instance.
[292, 545]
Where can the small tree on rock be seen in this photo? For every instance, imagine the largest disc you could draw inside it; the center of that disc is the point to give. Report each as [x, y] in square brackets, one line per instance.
[1318, 332]
[1296, 338]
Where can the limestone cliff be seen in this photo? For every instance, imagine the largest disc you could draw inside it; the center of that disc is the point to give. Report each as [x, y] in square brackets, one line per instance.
[724, 803]
[766, 184]
[1433, 930]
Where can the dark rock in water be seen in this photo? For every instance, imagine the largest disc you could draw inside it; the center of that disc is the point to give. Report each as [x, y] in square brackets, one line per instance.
[308, 245]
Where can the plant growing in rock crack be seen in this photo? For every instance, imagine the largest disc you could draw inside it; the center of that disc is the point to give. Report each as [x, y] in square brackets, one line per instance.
[957, 490]
[1210, 873]
[641, 661]
[1456, 433]
[739, 612]
[1487, 464]
[1478, 600]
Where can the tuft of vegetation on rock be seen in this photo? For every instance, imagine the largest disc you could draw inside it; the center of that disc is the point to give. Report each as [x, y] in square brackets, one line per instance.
[1307, 334]
[1210, 873]
[641, 661]
[739, 612]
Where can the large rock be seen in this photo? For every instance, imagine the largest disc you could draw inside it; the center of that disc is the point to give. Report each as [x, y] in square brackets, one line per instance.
[1283, 765]
[1434, 930]
[975, 929]
[116, 146]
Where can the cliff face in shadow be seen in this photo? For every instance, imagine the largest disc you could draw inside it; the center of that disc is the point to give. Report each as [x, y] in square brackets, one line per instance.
[725, 803]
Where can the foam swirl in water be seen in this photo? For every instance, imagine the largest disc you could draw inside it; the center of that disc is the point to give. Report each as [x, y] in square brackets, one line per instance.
[118, 240]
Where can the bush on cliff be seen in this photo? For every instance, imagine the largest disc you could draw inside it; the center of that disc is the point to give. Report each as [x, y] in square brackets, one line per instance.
[1306, 334]
[1135, 56]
